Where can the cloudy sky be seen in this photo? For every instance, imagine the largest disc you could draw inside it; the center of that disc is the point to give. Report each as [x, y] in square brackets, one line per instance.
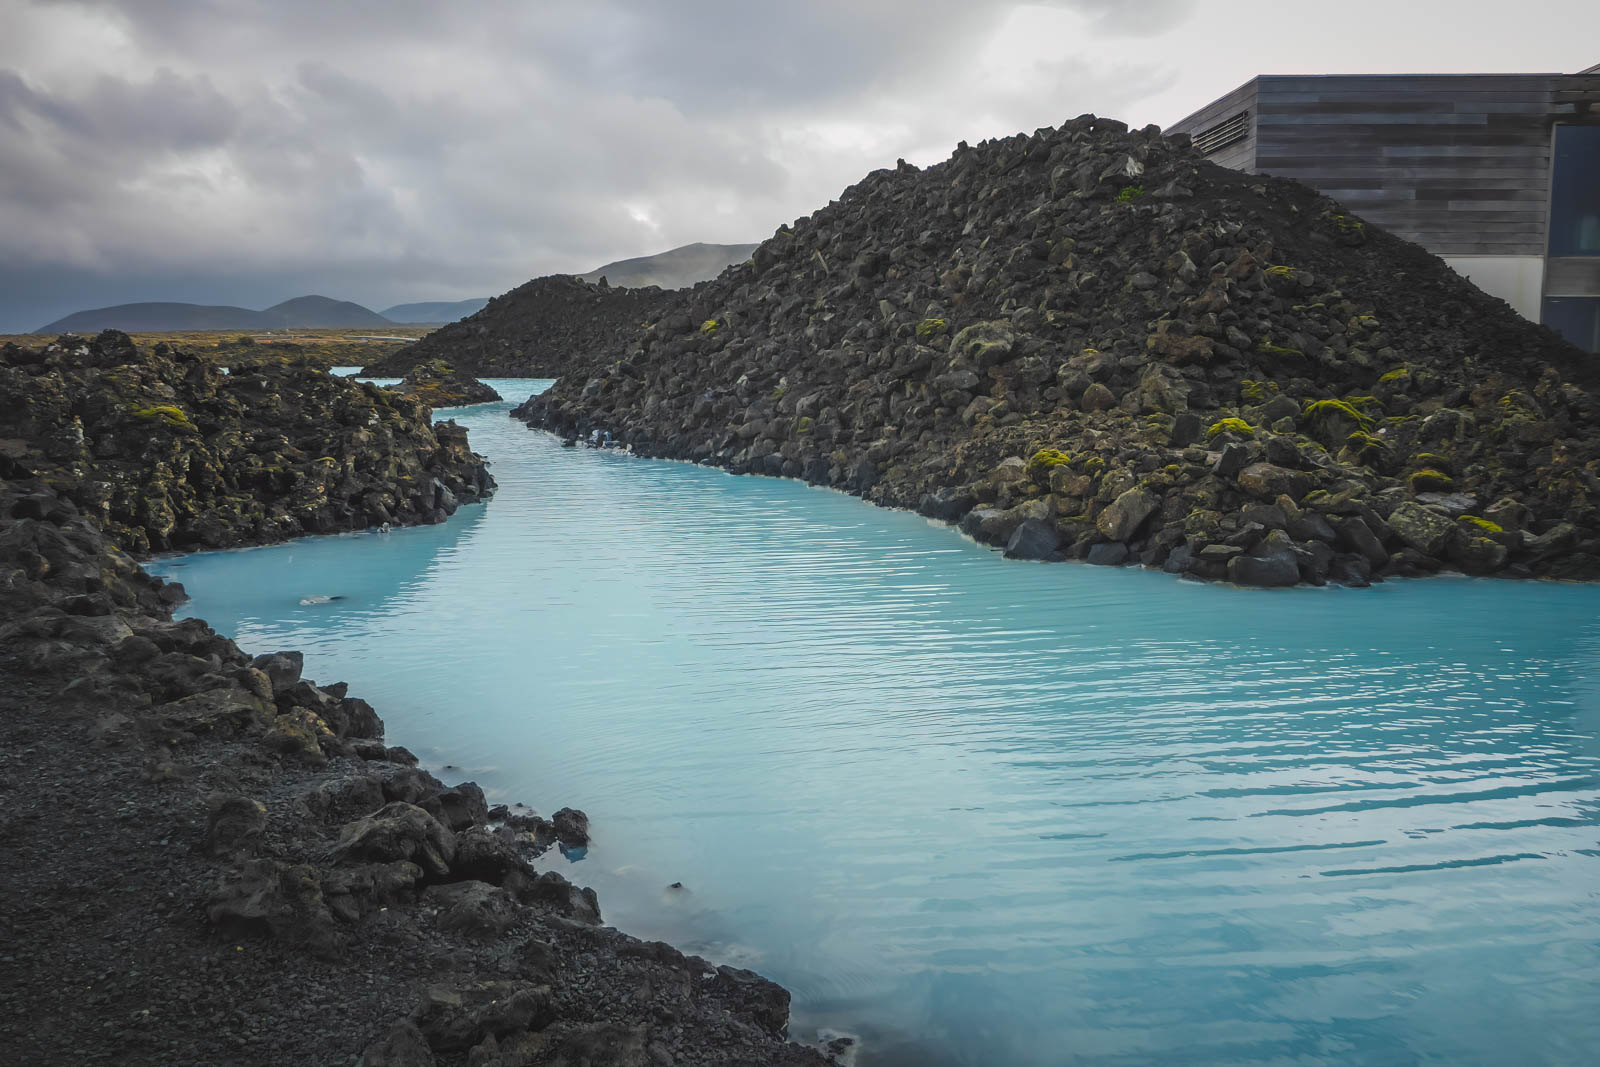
[247, 151]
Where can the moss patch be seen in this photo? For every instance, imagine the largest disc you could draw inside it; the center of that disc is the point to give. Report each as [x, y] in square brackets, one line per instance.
[1272, 351]
[1041, 462]
[167, 413]
[1430, 481]
[1233, 426]
[1254, 392]
[1320, 411]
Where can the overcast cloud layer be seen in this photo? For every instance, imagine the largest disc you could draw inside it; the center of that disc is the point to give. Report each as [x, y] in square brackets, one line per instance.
[246, 151]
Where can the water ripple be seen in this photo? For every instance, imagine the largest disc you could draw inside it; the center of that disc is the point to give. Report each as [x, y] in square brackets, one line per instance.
[993, 813]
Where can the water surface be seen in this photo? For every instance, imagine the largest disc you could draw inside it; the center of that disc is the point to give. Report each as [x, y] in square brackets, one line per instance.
[988, 812]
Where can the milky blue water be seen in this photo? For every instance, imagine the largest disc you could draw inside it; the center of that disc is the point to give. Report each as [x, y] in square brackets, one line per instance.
[988, 812]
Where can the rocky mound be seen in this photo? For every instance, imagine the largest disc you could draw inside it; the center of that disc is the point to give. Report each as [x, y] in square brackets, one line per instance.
[211, 859]
[160, 450]
[543, 329]
[1091, 343]
[438, 384]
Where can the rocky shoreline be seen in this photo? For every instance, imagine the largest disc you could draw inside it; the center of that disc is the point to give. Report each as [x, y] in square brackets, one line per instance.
[1090, 343]
[211, 859]
[544, 328]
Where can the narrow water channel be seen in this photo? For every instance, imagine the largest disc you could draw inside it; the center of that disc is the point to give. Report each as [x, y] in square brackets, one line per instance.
[987, 812]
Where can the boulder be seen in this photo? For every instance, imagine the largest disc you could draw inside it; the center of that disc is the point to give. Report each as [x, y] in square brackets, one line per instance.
[402, 1046]
[285, 899]
[399, 831]
[1034, 539]
[1097, 398]
[1354, 535]
[1122, 517]
[282, 668]
[235, 824]
[463, 806]
[1272, 481]
[453, 1018]
[475, 909]
[1426, 531]
[564, 898]
[1279, 569]
[1108, 554]
[571, 826]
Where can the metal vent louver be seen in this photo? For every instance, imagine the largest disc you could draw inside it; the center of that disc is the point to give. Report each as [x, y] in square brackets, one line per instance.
[1228, 131]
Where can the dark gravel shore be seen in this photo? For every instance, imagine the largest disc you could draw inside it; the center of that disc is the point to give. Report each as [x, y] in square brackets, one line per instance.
[211, 860]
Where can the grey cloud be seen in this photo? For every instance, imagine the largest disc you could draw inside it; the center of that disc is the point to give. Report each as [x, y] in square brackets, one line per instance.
[409, 150]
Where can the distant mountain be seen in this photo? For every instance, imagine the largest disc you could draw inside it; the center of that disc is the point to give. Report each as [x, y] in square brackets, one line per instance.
[155, 317]
[301, 312]
[438, 311]
[677, 268]
[325, 312]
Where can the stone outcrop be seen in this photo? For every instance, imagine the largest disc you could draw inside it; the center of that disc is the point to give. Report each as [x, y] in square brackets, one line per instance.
[163, 451]
[438, 384]
[544, 328]
[1045, 324]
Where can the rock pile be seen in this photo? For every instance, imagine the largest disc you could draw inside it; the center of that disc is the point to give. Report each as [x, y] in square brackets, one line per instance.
[543, 329]
[162, 451]
[1090, 343]
[438, 384]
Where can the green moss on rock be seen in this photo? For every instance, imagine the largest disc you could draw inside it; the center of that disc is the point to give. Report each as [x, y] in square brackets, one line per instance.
[167, 413]
[1230, 425]
[1321, 411]
[1041, 462]
[1428, 480]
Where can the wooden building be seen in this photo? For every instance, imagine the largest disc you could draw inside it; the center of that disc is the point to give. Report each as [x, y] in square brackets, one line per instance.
[1499, 174]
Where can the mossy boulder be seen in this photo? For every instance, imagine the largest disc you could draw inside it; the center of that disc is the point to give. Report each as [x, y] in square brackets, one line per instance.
[982, 345]
[1424, 530]
[439, 384]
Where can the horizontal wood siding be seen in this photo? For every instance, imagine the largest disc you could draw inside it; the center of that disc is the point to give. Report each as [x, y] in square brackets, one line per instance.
[1458, 163]
[1241, 155]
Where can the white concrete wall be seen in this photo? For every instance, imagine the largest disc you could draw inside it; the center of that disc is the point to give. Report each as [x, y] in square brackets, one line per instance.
[1518, 280]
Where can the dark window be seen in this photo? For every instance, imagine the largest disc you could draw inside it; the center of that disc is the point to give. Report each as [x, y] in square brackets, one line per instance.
[1227, 132]
[1575, 192]
[1577, 318]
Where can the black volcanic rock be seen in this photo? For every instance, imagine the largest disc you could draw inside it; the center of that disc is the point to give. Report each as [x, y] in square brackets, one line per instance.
[1044, 323]
[163, 451]
[542, 329]
[439, 385]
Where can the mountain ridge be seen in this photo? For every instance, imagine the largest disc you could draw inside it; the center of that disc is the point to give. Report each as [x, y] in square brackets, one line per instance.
[163, 316]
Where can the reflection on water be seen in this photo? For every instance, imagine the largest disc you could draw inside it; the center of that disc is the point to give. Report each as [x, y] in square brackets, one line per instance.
[987, 812]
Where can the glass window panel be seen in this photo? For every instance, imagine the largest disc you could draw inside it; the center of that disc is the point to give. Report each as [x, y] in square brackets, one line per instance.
[1575, 192]
[1577, 318]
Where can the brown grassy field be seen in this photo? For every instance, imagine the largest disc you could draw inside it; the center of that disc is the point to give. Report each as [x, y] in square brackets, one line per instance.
[325, 348]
